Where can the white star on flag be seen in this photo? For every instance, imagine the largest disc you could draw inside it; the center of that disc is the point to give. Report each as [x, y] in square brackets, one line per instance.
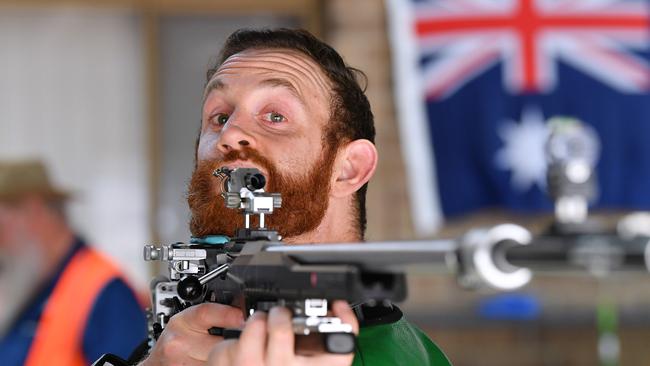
[524, 150]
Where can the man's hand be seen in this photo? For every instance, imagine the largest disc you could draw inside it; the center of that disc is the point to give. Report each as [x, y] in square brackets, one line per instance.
[269, 340]
[185, 339]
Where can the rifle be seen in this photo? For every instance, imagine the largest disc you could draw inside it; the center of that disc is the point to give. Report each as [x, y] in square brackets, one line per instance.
[255, 271]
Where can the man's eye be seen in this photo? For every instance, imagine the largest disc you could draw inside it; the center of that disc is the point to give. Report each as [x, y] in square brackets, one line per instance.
[220, 119]
[274, 117]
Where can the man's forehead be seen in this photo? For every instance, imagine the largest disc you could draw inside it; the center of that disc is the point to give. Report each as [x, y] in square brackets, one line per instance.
[292, 65]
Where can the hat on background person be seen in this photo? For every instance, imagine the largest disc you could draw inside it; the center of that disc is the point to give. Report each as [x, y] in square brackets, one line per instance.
[19, 178]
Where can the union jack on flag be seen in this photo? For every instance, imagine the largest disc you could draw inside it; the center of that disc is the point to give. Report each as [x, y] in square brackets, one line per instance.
[528, 37]
[477, 79]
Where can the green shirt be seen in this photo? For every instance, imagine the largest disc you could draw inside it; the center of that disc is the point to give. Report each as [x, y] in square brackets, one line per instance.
[397, 343]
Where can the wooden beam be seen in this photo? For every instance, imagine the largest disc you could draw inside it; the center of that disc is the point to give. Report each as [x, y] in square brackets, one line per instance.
[296, 7]
[151, 42]
[206, 7]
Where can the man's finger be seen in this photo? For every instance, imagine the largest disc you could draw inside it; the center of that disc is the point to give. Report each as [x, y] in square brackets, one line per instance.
[342, 310]
[252, 341]
[207, 315]
[280, 348]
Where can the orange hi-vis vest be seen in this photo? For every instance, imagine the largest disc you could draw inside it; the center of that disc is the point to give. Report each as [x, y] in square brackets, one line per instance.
[59, 335]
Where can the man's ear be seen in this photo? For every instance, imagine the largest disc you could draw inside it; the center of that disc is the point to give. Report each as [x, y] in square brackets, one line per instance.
[355, 164]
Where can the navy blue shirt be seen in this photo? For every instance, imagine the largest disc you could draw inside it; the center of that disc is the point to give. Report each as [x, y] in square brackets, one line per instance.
[117, 323]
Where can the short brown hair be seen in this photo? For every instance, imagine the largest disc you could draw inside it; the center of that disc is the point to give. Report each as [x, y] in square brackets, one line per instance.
[350, 114]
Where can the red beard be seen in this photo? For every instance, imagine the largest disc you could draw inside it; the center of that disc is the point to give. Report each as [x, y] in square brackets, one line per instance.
[304, 196]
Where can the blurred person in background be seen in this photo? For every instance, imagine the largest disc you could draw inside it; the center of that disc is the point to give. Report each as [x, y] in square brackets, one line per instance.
[61, 302]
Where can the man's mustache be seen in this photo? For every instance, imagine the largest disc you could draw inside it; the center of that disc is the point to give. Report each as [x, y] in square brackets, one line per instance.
[245, 154]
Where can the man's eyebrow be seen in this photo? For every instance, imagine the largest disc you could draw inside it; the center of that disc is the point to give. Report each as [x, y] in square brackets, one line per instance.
[275, 82]
[214, 84]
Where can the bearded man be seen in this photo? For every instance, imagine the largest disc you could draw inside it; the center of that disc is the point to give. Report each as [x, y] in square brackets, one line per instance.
[61, 301]
[284, 102]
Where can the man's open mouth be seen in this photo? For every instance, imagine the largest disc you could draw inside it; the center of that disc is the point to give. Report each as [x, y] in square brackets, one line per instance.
[243, 164]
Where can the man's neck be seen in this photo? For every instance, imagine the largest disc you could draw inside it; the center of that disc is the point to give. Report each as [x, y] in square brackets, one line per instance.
[322, 237]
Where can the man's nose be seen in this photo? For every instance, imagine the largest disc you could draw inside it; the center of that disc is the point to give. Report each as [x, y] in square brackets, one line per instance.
[235, 134]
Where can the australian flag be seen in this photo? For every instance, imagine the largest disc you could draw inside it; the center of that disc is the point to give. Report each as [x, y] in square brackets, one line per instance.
[478, 79]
